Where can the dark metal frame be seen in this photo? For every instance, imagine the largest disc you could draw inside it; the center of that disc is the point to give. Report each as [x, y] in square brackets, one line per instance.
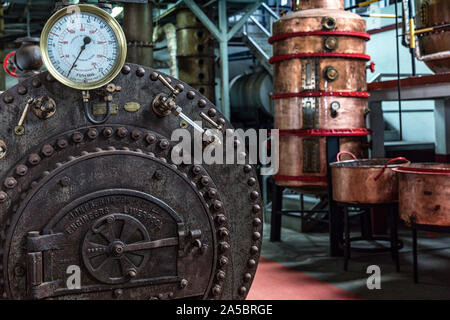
[396, 244]
[430, 228]
[335, 215]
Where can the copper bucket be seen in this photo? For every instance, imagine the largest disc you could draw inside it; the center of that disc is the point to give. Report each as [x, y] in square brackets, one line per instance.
[424, 193]
[365, 180]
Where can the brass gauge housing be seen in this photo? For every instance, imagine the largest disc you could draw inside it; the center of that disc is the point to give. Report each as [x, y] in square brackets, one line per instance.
[83, 47]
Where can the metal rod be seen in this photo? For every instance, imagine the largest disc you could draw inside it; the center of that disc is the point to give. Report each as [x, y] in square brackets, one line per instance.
[270, 11]
[412, 50]
[399, 90]
[362, 4]
[223, 47]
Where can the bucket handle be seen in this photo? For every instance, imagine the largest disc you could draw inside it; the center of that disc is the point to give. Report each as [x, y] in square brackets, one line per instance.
[388, 163]
[338, 157]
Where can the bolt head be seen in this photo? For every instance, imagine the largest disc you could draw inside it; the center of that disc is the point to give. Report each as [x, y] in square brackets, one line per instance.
[21, 170]
[3, 196]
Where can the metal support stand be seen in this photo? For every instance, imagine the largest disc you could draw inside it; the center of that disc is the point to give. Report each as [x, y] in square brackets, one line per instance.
[335, 215]
[422, 227]
[395, 243]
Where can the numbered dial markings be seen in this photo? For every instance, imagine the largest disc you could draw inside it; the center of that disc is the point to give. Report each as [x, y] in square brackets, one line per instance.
[82, 47]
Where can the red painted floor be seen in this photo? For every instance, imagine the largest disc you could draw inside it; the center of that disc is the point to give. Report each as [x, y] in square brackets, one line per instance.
[274, 281]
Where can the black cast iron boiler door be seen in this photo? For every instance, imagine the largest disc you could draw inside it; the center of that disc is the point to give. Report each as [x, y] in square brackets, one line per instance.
[107, 199]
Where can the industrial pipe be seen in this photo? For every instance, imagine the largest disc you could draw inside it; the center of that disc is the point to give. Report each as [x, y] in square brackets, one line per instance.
[168, 31]
[138, 28]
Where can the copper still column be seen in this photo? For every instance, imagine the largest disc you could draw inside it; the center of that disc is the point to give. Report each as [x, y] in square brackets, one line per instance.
[138, 28]
[195, 49]
[434, 45]
[320, 89]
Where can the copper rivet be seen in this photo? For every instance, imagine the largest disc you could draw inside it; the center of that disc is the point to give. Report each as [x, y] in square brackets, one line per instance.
[254, 195]
[47, 150]
[150, 138]
[183, 283]
[108, 132]
[247, 277]
[3, 196]
[77, 137]
[8, 98]
[118, 292]
[256, 208]
[179, 87]
[220, 275]
[34, 159]
[92, 133]
[217, 205]
[154, 76]
[256, 222]
[247, 168]
[256, 236]
[126, 69]
[242, 290]
[221, 219]
[22, 90]
[204, 181]
[202, 103]
[251, 263]
[254, 250]
[196, 169]
[10, 183]
[164, 144]
[190, 94]
[140, 72]
[21, 170]
[62, 143]
[217, 290]
[224, 246]
[251, 182]
[212, 193]
[212, 112]
[223, 261]
[223, 232]
[36, 83]
[122, 132]
[136, 134]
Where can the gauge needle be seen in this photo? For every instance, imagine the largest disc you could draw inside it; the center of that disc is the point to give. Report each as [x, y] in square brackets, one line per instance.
[86, 41]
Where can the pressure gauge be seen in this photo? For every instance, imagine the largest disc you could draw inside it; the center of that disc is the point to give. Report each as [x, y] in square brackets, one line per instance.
[83, 47]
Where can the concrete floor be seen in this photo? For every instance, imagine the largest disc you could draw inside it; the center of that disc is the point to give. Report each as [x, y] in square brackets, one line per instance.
[308, 253]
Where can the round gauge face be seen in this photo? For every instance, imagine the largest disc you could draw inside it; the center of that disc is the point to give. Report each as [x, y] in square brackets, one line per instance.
[83, 47]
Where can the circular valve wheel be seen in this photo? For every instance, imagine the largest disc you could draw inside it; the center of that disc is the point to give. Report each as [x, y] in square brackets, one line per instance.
[105, 252]
[9, 66]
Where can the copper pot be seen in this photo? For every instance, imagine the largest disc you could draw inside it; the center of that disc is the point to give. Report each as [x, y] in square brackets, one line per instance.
[434, 44]
[365, 180]
[424, 193]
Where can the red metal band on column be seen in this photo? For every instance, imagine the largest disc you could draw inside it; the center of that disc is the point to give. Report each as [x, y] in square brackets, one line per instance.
[356, 94]
[323, 132]
[320, 55]
[301, 178]
[288, 35]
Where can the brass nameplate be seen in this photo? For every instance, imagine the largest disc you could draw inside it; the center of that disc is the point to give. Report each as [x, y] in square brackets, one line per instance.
[132, 107]
[100, 108]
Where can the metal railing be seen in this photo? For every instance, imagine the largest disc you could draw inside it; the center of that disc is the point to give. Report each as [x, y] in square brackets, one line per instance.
[262, 23]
